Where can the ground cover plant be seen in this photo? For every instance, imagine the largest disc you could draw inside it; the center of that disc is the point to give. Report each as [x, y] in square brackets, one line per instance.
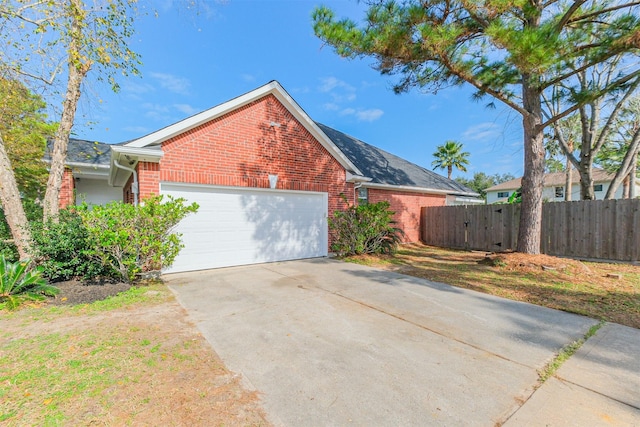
[602, 291]
[131, 359]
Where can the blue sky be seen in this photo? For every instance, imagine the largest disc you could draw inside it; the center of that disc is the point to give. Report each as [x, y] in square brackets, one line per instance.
[192, 62]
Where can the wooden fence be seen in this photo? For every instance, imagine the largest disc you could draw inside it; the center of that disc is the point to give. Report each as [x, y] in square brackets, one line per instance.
[597, 229]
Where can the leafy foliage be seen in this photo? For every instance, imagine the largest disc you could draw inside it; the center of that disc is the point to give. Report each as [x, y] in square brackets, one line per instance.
[24, 129]
[133, 239]
[481, 181]
[364, 229]
[33, 213]
[63, 249]
[19, 284]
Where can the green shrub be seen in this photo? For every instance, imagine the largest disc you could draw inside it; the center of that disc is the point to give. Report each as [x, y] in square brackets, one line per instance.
[18, 284]
[364, 229]
[63, 249]
[133, 239]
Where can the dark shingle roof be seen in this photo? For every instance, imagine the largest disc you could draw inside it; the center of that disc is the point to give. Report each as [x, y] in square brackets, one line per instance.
[386, 168]
[83, 151]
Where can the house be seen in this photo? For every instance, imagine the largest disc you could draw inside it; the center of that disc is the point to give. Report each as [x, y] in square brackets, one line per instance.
[555, 187]
[266, 177]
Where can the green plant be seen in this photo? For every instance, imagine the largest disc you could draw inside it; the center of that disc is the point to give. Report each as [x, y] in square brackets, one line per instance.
[63, 249]
[134, 239]
[18, 284]
[364, 229]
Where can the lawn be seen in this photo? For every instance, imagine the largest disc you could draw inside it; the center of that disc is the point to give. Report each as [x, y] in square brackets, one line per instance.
[602, 291]
[132, 359]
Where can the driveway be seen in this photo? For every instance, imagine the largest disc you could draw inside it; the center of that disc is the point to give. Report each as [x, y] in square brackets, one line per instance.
[328, 343]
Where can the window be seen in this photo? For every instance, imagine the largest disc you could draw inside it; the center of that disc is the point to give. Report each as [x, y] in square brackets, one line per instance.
[559, 192]
[503, 194]
[597, 187]
[363, 196]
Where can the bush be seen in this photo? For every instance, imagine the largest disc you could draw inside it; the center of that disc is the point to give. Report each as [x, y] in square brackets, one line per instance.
[364, 229]
[18, 284]
[133, 239]
[63, 249]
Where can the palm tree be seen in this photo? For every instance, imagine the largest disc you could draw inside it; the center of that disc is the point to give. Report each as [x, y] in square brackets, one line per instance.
[450, 155]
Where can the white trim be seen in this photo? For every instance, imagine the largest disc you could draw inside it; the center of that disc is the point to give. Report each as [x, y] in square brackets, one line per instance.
[274, 88]
[357, 178]
[417, 189]
[236, 187]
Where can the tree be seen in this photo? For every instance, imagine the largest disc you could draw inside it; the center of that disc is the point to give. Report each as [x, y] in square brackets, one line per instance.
[25, 130]
[37, 39]
[22, 139]
[450, 155]
[594, 124]
[620, 154]
[513, 51]
[83, 36]
[481, 181]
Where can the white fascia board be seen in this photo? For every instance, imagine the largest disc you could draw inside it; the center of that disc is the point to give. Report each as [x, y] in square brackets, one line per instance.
[88, 170]
[417, 189]
[357, 178]
[273, 88]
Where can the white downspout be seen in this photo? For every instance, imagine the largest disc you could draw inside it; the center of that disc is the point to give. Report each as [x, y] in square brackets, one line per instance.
[134, 185]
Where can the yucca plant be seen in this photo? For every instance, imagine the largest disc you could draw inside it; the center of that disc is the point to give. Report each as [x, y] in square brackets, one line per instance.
[19, 284]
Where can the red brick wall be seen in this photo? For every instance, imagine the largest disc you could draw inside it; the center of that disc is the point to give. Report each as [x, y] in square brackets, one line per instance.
[406, 206]
[67, 191]
[242, 149]
[148, 179]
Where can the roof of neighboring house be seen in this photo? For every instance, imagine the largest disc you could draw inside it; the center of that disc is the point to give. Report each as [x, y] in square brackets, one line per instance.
[555, 179]
[81, 151]
[385, 168]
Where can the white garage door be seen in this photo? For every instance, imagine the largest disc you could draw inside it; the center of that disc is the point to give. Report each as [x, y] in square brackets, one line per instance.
[238, 226]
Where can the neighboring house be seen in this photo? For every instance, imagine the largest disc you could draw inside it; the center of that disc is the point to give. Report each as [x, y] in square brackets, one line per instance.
[555, 187]
[266, 177]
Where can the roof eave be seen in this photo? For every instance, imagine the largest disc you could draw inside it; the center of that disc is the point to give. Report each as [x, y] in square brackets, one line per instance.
[418, 189]
[130, 156]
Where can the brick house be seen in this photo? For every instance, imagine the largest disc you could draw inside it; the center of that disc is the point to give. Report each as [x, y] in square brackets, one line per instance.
[266, 177]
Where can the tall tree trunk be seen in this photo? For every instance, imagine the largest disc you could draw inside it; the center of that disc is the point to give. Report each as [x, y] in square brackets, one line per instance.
[12, 206]
[77, 72]
[586, 179]
[629, 164]
[449, 171]
[532, 181]
[569, 179]
[633, 190]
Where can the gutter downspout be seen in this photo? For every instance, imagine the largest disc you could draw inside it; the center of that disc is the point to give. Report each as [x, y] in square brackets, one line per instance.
[134, 185]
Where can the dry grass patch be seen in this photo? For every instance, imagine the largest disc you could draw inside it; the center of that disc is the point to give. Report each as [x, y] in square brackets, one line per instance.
[127, 361]
[603, 291]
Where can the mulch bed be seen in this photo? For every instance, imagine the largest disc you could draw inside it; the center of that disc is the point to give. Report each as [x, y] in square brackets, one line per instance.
[79, 292]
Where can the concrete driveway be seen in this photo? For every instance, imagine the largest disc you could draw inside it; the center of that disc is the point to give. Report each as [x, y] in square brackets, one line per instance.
[328, 343]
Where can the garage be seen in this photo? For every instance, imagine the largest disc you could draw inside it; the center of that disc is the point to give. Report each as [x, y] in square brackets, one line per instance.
[239, 226]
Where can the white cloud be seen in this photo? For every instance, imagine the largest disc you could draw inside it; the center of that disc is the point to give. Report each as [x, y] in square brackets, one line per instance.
[172, 83]
[339, 90]
[137, 89]
[186, 109]
[482, 132]
[330, 106]
[156, 111]
[248, 77]
[370, 115]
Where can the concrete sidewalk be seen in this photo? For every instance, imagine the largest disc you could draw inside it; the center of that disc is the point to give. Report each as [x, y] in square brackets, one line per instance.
[331, 344]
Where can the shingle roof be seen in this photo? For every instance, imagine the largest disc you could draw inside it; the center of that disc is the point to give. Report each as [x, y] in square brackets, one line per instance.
[84, 152]
[386, 168]
[555, 179]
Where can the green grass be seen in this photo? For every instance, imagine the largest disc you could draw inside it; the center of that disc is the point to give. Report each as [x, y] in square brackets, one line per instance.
[565, 354]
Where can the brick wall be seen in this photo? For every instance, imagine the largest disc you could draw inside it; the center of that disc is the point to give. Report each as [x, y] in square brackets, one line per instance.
[67, 190]
[406, 206]
[242, 148]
